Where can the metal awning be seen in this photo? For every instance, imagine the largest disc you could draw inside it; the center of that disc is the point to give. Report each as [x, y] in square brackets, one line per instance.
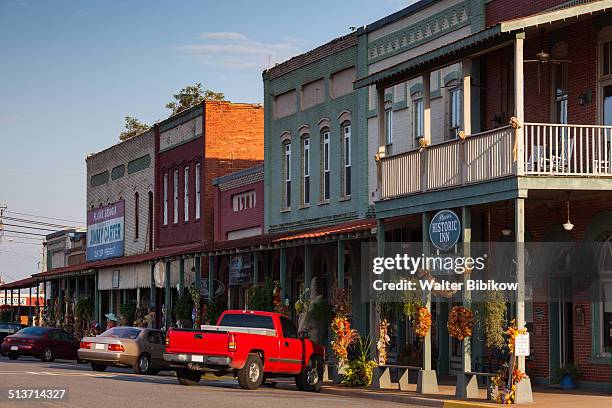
[480, 42]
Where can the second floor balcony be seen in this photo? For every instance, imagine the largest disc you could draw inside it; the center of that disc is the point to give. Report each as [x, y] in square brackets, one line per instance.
[547, 150]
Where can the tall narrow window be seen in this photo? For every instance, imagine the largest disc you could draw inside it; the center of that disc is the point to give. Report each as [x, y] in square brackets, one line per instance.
[136, 215]
[287, 175]
[165, 198]
[346, 132]
[388, 127]
[186, 193]
[418, 118]
[326, 166]
[197, 191]
[176, 200]
[306, 170]
[454, 112]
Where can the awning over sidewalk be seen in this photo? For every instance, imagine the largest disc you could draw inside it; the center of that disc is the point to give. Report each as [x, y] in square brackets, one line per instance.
[19, 284]
[352, 229]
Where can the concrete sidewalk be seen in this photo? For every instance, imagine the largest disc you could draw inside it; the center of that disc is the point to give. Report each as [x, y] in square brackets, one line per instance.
[543, 397]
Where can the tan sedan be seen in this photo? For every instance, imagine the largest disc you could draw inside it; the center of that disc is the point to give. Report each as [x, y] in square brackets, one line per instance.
[141, 349]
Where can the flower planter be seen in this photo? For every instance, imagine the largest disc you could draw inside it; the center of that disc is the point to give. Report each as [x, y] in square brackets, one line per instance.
[567, 382]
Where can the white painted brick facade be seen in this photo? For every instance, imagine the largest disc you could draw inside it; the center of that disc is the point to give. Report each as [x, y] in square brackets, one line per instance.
[125, 187]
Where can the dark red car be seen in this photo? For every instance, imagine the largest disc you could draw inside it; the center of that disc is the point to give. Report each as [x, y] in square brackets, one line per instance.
[46, 343]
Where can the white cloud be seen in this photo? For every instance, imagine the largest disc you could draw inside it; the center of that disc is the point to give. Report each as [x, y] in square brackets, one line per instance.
[236, 50]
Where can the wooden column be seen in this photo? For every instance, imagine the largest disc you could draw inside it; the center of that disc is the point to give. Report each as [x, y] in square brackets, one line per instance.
[168, 295]
[519, 227]
[283, 273]
[427, 106]
[340, 271]
[255, 267]
[197, 264]
[153, 290]
[181, 285]
[307, 266]
[466, 68]
[211, 278]
[519, 101]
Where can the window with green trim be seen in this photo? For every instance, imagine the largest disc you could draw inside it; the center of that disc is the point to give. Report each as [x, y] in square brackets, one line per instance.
[139, 164]
[99, 179]
[118, 172]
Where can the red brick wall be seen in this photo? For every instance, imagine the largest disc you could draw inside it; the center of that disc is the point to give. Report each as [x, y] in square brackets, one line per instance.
[502, 10]
[498, 77]
[540, 217]
[234, 141]
[226, 220]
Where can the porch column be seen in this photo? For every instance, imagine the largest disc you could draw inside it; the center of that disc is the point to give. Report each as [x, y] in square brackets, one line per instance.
[523, 392]
[211, 277]
[519, 102]
[427, 106]
[153, 294]
[30, 308]
[340, 271]
[181, 285]
[255, 267]
[466, 387]
[307, 266]
[198, 271]
[12, 306]
[374, 316]
[382, 123]
[77, 287]
[168, 297]
[427, 382]
[283, 273]
[466, 68]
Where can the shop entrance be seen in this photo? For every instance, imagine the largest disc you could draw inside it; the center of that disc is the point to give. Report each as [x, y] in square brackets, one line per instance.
[561, 323]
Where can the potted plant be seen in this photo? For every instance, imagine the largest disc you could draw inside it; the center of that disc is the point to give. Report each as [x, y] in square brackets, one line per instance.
[567, 376]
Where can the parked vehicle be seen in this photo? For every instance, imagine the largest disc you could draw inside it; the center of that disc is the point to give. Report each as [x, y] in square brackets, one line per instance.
[250, 345]
[6, 329]
[141, 349]
[46, 343]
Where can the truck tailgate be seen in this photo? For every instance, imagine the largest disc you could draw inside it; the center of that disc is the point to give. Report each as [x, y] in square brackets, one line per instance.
[197, 342]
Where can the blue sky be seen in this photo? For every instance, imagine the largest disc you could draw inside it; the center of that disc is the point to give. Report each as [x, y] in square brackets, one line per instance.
[71, 70]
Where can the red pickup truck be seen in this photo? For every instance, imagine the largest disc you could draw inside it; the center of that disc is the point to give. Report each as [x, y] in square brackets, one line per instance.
[250, 345]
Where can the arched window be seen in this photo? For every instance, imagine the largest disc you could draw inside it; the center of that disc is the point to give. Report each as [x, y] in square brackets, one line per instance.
[325, 164]
[346, 159]
[136, 215]
[287, 174]
[306, 170]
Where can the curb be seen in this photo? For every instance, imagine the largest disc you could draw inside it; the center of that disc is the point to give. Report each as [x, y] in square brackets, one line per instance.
[465, 404]
[406, 399]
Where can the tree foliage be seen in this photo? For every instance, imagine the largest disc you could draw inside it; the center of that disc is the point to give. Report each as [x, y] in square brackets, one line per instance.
[192, 95]
[133, 127]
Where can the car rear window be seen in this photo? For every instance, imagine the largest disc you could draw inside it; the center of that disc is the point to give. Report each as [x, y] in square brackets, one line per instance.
[33, 331]
[122, 333]
[247, 320]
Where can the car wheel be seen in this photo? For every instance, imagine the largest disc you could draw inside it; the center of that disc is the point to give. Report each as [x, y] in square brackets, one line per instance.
[98, 367]
[251, 375]
[13, 356]
[188, 377]
[143, 365]
[311, 377]
[47, 355]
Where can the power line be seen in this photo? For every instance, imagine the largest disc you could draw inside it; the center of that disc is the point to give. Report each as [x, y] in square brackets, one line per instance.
[40, 216]
[34, 228]
[35, 222]
[27, 233]
[20, 237]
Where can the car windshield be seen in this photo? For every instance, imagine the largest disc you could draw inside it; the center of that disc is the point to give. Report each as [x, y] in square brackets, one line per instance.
[32, 331]
[122, 333]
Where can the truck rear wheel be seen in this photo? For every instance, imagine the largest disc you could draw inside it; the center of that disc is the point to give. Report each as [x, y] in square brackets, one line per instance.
[188, 377]
[251, 375]
[311, 377]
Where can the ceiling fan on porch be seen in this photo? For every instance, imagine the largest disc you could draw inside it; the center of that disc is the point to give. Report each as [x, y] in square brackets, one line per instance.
[544, 57]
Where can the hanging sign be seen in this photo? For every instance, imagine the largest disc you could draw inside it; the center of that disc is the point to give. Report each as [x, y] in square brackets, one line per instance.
[444, 230]
[105, 232]
[240, 270]
[521, 345]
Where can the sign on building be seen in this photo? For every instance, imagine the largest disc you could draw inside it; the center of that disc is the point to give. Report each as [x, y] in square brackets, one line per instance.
[444, 230]
[105, 232]
[240, 269]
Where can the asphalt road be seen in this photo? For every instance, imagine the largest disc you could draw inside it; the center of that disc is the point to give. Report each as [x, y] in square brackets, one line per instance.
[118, 388]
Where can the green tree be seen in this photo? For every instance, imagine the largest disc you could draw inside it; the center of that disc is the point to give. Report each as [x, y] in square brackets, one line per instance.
[191, 96]
[132, 127]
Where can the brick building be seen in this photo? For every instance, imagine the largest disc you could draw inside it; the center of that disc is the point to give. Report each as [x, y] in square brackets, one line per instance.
[545, 65]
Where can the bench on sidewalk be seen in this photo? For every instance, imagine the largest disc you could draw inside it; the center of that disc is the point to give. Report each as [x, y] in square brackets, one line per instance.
[381, 377]
[467, 384]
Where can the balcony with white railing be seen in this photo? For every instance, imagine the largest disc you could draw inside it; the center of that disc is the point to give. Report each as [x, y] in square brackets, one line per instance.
[557, 150]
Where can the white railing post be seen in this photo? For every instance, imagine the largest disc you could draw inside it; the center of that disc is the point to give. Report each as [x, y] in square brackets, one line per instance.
[519, 103]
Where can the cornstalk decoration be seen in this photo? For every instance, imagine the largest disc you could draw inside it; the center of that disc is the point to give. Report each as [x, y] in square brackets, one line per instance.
[383, 341]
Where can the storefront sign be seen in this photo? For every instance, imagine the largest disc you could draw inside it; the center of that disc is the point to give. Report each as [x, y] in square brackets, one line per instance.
[521, 345]
[219, 288]
[444, 230]
[240, 269]
[105, 232]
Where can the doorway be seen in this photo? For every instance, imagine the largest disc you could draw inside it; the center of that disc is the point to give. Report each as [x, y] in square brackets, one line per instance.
[561, 323]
